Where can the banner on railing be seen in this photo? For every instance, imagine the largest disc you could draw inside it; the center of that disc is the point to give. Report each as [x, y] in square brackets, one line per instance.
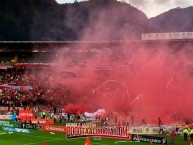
[25, 114]
[54, 128]
[118, 132]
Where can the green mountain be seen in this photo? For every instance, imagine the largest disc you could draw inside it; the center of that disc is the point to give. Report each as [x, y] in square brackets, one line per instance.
[93, 20]
[49, 21]
[175, 20]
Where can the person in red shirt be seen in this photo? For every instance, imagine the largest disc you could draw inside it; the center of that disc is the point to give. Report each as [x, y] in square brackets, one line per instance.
[173, 135]
[60, 117]
[119, 124]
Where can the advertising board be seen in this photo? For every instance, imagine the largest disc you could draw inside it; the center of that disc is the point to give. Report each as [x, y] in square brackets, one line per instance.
[144, 130]
[8, 123]
[42, 121]
[7, 117]
[53, 128]
[149, 139]
[22, 130]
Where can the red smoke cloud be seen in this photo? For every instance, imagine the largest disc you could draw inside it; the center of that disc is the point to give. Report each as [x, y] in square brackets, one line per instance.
[143, 81]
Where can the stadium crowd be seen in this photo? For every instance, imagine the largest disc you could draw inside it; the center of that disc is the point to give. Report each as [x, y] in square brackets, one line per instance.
[42, 92]
[28, 87]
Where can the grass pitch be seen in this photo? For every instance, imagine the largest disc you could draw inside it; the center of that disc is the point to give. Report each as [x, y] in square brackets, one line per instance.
[38, 137]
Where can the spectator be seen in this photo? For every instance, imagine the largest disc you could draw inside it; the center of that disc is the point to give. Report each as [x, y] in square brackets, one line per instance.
[60, 117]
[191, 133]
[177, 127]
[173, 135]
[52, 115]
[143, 122]
[161, 130]
[159, 121]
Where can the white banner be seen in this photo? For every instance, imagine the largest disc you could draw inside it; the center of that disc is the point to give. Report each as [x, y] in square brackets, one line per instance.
[99, 112]
[167, 36]
[144, 130]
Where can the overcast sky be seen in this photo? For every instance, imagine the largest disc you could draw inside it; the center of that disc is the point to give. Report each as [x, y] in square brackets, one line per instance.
[151, 7]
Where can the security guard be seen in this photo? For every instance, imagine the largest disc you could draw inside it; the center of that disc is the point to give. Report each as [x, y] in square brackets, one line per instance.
[185, 131]
[44, 114]
[191, 133]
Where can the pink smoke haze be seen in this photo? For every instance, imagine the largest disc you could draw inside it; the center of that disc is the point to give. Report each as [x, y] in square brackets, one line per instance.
[143, 81]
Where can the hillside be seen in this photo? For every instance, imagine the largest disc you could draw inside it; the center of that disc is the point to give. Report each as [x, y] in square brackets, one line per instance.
[98, 20]
[175, 20]
[91, 20]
